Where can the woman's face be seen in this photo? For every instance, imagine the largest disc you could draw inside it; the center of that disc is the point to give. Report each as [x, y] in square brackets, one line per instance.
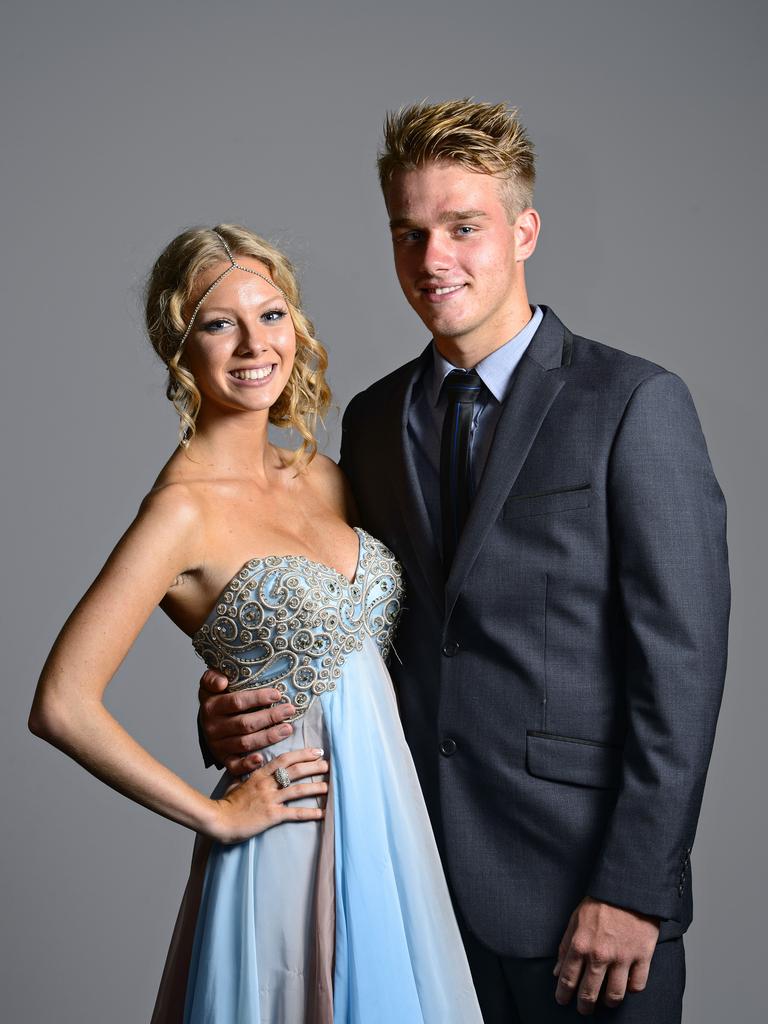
[242, 344]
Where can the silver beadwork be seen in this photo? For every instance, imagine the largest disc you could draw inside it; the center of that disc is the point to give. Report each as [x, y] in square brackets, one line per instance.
[279, 625]
[220, 278]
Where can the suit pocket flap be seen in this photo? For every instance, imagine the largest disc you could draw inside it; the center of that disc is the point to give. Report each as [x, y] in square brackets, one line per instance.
[542, 502]
[566, 759]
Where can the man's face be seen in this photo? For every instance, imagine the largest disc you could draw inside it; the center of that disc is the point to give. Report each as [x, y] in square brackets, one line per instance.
[456, 254]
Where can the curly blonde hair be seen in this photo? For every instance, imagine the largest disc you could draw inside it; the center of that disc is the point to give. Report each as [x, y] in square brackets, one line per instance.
[484, 137]
[170, 287]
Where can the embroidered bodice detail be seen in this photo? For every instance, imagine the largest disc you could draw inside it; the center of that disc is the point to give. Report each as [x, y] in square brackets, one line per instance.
[289, 623]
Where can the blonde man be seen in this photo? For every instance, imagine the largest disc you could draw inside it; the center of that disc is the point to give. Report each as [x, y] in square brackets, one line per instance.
[563, 653]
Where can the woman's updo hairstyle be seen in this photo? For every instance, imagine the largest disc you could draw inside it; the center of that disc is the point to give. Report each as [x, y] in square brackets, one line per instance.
[171, 291]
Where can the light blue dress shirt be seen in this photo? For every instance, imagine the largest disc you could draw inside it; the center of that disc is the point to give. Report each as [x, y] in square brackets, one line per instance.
[428, 407]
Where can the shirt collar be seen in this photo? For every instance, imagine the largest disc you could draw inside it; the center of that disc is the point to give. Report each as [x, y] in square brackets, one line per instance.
[496, 369]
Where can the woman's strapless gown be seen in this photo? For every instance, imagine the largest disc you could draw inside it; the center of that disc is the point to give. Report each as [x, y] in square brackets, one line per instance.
[347, 919]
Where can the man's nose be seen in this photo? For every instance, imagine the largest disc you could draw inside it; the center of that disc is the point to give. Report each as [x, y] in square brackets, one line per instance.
[437, 254]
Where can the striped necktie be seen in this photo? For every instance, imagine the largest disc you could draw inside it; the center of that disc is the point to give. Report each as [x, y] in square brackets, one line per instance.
[463, 389]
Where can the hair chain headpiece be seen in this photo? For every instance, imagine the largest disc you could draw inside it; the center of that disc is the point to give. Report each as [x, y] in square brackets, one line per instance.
[235, 266]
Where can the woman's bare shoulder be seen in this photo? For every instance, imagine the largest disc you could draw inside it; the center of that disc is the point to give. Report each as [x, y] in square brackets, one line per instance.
[324, 465]
[179, 503]
[183, 491]
[327, 476]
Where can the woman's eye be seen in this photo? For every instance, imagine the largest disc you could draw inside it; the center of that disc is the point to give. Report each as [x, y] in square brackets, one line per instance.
[214, 326]
[273, 315]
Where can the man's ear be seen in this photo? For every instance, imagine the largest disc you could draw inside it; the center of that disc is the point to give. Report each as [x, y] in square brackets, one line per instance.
[526, 228]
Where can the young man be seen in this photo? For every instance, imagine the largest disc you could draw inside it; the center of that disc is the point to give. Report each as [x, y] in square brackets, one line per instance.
[563, 536]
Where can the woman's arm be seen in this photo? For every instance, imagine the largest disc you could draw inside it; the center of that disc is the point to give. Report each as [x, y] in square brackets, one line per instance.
[68, 709]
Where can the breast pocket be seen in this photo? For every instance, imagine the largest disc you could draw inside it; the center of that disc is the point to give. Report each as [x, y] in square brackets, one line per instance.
[555, 499]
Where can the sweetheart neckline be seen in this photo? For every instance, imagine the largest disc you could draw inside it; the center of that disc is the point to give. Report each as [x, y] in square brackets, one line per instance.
[302, 558]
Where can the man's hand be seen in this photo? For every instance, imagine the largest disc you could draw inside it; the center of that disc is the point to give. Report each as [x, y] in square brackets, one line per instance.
[604, 948]
[237, 724]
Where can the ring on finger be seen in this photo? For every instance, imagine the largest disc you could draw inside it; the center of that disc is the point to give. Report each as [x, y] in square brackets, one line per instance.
[282, 778]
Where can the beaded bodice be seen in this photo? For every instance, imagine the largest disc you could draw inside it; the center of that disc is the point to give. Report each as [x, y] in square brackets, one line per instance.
[289, 623]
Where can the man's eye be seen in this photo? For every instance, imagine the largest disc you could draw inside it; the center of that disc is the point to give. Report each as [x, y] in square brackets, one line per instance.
[465, 229]
[409, 236]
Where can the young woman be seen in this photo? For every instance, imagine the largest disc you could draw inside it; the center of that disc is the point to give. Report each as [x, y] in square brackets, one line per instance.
[309, 900]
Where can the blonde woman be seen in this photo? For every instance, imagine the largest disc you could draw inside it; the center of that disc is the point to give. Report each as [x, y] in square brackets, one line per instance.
[316, 892]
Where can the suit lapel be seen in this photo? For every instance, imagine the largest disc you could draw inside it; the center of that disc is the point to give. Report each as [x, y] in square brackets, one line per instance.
[416, 534]
[533, 391]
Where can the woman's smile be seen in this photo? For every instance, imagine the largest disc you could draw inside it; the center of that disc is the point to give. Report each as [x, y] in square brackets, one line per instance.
[253, 376]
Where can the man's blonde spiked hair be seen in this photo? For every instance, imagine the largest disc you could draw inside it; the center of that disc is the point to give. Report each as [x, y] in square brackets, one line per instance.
[484, 137]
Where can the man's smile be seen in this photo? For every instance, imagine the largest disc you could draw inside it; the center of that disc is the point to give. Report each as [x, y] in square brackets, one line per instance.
[439, 293]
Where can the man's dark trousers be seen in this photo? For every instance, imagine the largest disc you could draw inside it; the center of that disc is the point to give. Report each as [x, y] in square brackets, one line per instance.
[522, 991]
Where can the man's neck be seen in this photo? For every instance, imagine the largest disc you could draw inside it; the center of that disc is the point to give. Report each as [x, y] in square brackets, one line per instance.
[466, 351]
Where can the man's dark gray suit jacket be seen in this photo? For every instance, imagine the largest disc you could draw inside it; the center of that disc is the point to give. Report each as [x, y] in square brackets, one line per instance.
[559, 692]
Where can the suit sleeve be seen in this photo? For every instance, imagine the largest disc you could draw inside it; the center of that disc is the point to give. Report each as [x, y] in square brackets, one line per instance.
[667, 521]
[346, 461]
[208, 759]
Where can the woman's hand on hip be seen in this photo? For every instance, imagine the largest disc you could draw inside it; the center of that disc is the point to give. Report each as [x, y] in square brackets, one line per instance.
[258, 802]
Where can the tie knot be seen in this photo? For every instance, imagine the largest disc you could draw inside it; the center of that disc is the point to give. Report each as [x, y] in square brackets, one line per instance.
[463, 385]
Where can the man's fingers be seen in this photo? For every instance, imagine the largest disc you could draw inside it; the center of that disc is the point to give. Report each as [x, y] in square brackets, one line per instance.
[242, 765]
[569, 976]
[213, 682]
[245, 745]
[257, 721]
[254, 722]
[239, 702]
[220, 725]
[615, 985]
[565, 945]
[638, 975]
[591, 983]
[609, 953]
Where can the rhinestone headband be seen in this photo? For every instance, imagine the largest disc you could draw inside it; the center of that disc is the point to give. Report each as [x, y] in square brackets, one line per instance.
[235, 266]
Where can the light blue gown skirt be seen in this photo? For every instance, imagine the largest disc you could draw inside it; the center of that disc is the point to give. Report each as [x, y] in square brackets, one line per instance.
[393, 953]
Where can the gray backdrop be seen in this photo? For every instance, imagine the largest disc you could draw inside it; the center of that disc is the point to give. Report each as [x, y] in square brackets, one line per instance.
[125, 123]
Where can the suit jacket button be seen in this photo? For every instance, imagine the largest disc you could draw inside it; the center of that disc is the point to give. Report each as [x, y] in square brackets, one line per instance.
[450, 649]
[447, 747]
